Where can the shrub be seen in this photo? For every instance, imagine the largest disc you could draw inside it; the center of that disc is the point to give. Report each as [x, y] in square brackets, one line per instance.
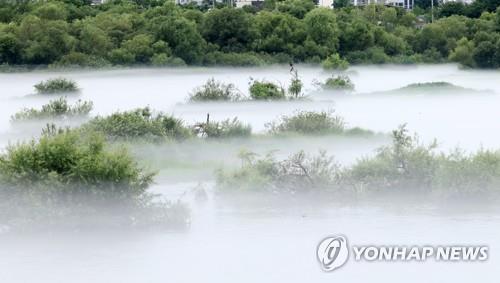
[308, 122]
[58, 108]
[295, 88]
[162, 59]
[58, 85]
[263, 90]
[139, 124]
[64, 158]
[433, 88]
[233, 59]
[77, 59]
[298, 173]
[468, 174]
[405, 165]
[340, 82]
[334, 62]
[66, 173]
[213, 90]
[228, 128]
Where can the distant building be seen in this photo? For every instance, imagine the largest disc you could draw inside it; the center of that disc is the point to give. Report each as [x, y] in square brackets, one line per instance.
[462, 1]
[406, 4]
[243, 3]
[259, 3]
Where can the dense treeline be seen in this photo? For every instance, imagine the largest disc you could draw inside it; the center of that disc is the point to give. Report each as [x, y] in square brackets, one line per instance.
[75, 33]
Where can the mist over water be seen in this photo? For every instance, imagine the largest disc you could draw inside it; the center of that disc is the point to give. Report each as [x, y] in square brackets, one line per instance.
[267, 239]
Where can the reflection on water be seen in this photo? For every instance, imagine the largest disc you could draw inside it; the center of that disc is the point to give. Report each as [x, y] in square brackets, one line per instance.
[266, 240]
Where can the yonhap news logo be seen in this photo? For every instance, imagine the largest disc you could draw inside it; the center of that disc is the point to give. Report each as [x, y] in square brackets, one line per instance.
[333, 252]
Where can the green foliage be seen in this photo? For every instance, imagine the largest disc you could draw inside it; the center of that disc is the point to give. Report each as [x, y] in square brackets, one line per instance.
[229, 128]
[67, 177]
[139, 124]
[340, 82]
[299, 173]
[213, 90]
[309, 123]
[66, 33]
[296, 8]
[228, 28]
[463, 53]
[295, 88]
[406, 164]
[218, 58]
[57, 85]
[334, 62]
[433, 88]
[407, 167]
[71, 163]
[264, 90]
[55, 109]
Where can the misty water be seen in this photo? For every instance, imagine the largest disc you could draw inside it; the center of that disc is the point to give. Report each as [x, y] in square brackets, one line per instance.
[265, 238]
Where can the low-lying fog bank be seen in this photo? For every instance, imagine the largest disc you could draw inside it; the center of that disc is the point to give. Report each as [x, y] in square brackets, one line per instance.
[446, 118]
[252, 207]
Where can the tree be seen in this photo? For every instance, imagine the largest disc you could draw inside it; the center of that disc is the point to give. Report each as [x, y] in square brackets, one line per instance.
[321, 28]
[140, 46]
[485, 54]
[356, 36]
[182, 36]
[451, 8]
[9, 48]
[497, 19]
[296, 8]
[463, 53]
[341, 3]
[44, 41]
[229, 28]
[52, 11]
[279, 32]
[94, 41]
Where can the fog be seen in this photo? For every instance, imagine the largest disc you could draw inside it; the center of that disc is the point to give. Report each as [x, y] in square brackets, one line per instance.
[266, 238]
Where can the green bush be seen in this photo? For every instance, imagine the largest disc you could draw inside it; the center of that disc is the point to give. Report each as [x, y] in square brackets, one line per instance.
[340, 82]
[233, 59]
[213, 90]
[162, 59]
[229, 128]
[295, 88]
[334, 62]
[67, 174]
[308, 122]
[405, 165]
[77, 59]
[58, 108]
[263, 90]
[58, 85]
[72, 162]
[298, 173]
[139, 124]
